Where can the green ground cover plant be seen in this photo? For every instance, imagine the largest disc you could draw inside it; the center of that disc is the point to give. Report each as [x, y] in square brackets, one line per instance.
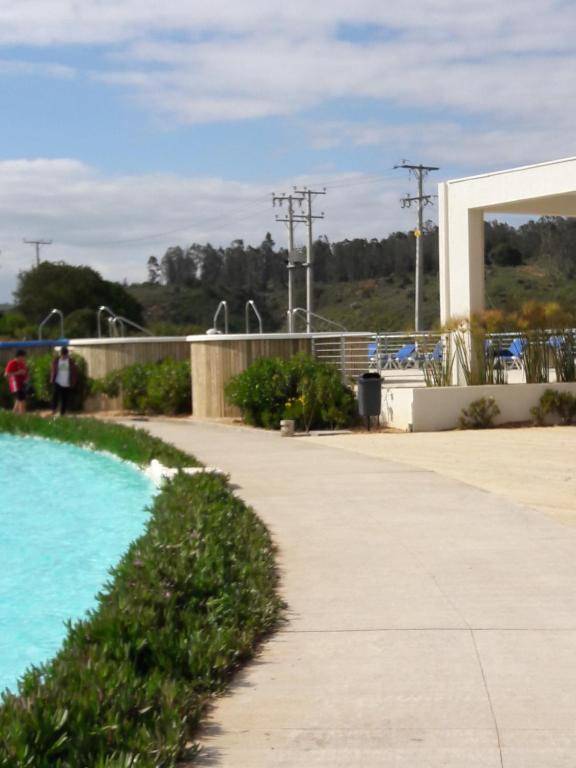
[480, 414]
[129, 444]
[162, 387]
[187, 604]
[302, 389]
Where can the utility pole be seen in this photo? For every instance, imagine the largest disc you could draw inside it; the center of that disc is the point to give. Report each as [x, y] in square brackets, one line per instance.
[289, 220]
[37, 244]
[419, 172]
[308, 218]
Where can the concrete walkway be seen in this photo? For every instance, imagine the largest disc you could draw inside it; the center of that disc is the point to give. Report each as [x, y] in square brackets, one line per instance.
[529, 465]
[432, 624]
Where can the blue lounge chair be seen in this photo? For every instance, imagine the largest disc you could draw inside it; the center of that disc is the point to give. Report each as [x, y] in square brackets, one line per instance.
[405, 357]
[513, 354]
[557, 341]
[372, 355]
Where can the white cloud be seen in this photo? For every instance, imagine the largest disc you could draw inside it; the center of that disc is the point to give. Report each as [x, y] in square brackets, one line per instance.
[278, 74]
[46, 69]
[501, 75]
[474, 147]
[65, 21]
[254, 58]
[109, 222]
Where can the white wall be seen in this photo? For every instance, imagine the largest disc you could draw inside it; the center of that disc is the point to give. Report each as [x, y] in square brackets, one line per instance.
[397, 407]
[545, 189]
[432, 409]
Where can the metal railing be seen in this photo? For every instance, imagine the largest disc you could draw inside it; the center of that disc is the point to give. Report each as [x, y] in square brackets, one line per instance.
[101, 310]
[117, 323]
[301, 312]
[251, 305]
[399, 356]
[53, 313]
[122, 322]
[402, 358]
[222, 307]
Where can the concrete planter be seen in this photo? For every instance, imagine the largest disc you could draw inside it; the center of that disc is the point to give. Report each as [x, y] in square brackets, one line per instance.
[432, 409]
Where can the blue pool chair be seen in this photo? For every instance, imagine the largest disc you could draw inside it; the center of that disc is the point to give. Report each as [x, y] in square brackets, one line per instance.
[406, 356]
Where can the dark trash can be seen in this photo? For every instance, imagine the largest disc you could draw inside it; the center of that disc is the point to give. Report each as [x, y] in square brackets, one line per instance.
[369, 394]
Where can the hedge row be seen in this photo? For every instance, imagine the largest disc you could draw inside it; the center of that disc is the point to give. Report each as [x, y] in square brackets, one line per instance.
[162, 387]
[301, 388]
[155, 388]
[133, 445]
[41, 394]
[187, 604]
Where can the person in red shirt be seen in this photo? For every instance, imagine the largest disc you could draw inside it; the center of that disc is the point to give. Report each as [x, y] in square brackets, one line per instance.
[17, 374]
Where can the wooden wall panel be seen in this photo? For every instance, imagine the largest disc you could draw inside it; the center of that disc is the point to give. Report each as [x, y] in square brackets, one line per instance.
[104, 358]
[215, 362]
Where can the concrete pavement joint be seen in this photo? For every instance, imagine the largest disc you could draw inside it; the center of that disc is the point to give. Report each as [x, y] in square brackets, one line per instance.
[468, 629]
[376, 566]
[487, 689]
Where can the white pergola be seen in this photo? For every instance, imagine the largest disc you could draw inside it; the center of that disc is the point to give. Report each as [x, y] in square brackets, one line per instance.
[547, 189]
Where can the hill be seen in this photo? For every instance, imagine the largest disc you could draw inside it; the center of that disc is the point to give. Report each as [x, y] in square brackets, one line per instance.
[374, 304]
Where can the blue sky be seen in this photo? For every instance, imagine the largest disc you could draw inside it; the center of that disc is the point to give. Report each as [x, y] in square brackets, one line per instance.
[126, 119]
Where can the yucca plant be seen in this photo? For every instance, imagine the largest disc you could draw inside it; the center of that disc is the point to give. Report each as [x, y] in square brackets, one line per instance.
[563, 355]
[476, 357]
[535, 357]
[438, 370]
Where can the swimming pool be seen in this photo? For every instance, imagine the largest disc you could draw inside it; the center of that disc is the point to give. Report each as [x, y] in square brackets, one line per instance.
[66, 516]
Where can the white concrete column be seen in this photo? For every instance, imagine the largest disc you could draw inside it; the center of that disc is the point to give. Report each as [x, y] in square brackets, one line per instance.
[465, 261]
[444, 252]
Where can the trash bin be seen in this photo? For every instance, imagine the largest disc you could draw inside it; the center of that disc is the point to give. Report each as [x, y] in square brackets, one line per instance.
[369, 395]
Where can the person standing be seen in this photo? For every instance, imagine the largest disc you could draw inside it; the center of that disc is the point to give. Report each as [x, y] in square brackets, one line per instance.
[17, 374]
[63, 377]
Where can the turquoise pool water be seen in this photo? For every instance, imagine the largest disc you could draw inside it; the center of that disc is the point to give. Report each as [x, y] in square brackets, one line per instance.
[66, 516]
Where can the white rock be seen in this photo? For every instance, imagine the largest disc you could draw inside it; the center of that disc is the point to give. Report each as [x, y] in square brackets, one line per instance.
[158, 473]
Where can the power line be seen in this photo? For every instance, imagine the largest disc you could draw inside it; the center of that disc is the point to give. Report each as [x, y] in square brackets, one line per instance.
[202, 222]
[37, 244]
[358, 183]
[253, 210]
[419, 172]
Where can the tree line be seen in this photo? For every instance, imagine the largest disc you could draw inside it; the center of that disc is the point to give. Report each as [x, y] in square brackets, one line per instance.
[184, 285]
[247, 269]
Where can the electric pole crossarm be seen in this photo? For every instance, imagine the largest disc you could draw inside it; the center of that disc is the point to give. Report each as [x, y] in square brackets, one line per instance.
[290, 220]
[37, 244]
[419, 172]
[308, 195]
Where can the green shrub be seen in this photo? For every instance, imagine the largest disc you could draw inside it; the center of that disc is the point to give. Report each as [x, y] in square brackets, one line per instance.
[480, 414]
[186, 605]
[555, 403]
[261, 392]
[505, 255]
[163, 387]
[310, 393]
[169, 388]
[13, 325]
[41, 395]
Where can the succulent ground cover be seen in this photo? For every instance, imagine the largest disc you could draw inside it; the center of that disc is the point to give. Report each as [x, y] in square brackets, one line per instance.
[187, 605]
[129, 444]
